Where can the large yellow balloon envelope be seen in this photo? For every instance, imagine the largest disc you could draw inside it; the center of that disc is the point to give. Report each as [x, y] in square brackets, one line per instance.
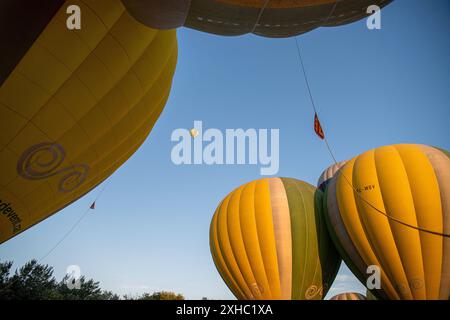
[76, 103]
[268, 240]
[390, 207]
[349, 296]
[268, 18]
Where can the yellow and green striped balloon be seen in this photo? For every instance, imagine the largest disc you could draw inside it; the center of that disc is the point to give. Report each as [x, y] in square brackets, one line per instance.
[269, 241]
[390, 207]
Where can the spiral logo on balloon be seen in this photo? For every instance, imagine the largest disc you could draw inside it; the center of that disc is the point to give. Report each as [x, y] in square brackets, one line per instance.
[256, 289]
[43, 160]
[416, 284]
[313, 291]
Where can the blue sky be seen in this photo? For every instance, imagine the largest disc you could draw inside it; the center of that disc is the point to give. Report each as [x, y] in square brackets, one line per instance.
[372, 88]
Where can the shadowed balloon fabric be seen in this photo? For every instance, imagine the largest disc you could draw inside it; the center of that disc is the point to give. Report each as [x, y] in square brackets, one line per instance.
[268, 240]
[370, 295]
[410, 184]
[76, 105]
[278, 18]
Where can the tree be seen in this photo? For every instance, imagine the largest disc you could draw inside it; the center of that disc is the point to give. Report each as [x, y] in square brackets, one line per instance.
[35, 281]
[31, 282]
[88, 290]
[161, 295]
[5, 280]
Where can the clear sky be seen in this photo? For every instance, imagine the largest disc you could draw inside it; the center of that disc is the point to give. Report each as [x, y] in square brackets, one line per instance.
[150, 230]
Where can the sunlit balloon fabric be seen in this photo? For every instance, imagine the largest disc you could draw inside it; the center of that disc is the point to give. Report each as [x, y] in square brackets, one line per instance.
[349, 296]
[76, 105]
[269, 241]
[278, 18]
[329, 173]
[410, 184]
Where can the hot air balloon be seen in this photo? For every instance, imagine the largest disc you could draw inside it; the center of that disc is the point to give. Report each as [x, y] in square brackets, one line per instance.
[74, 104]
[268, 241]
[390, 208]
[349, 296]
[329, 173]
[194, 132]
[268, 18]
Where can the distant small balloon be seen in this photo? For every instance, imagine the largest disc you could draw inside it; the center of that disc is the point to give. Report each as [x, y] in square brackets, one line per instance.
[193, 132]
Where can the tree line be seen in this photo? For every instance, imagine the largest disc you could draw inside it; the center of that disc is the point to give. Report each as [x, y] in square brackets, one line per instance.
[34, 281]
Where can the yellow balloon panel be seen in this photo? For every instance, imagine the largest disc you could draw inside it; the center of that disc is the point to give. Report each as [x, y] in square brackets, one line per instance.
[77, 105]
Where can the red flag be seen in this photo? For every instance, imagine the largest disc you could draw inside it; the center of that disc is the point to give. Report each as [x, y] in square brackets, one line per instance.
[318, 127]
[92, 206]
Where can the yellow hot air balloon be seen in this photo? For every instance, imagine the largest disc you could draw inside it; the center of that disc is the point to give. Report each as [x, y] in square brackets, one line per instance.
[390, 207]
[194, 132]
[268, 18]
[349, 296]
[268, 241]
[75, 104]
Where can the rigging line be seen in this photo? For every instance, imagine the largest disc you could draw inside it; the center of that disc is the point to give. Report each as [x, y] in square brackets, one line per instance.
[329, 150]
[102, 190]
[303, 70]
[65, 235]
[392, 218]
[331, 12]
[259, 15]
[306, 77]
[75, 224]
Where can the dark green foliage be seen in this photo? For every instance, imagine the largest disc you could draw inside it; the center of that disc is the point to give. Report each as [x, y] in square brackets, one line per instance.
[161, 295]
[34, 281]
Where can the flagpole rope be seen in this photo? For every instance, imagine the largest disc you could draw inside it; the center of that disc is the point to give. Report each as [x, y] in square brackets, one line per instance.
[303, 71]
